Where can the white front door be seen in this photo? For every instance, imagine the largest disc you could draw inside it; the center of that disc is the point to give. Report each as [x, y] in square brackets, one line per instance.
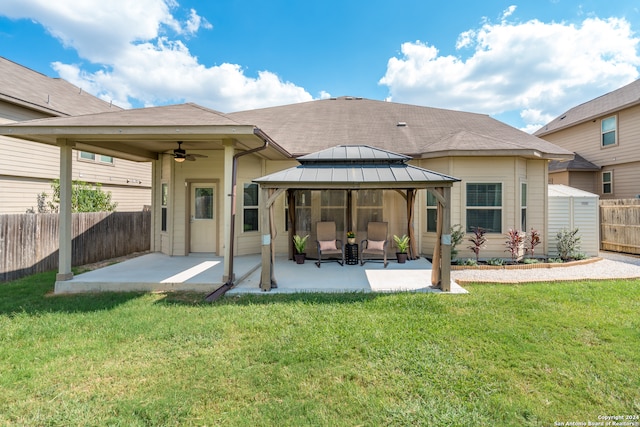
[203, 217]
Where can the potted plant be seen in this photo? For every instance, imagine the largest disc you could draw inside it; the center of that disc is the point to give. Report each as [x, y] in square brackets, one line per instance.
[402, 243]
[301, 244]
[351, 237]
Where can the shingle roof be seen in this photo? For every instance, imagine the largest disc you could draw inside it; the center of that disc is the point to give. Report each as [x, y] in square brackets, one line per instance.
[57, 97]
[188, 114]
[578, 164]
[626, 96]
[308, 127]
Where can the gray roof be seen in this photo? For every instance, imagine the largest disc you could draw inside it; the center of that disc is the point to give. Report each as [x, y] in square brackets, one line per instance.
[371, 168]
[354, 153]
[313, 126]
[625, 97]
[22, 86]
[578, 164]
[188, 114]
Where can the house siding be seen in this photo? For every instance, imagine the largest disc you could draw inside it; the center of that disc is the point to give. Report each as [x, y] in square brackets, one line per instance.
[624, 157]
[510, 172]
[27, 169]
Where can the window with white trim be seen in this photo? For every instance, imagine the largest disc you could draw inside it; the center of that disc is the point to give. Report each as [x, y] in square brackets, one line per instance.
[98, 158]
[250, 207]
[484, 207]
[164, 200]
[607, 182]
[608, 128]
[523, 206]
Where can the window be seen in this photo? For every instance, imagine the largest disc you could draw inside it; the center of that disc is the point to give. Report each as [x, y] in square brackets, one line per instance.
[163, 202]
[203, 203]
[432, 212]
[250, 209]
[523, 207]
[484, 207]
[608, 128]
[98, 158]
[607, 182]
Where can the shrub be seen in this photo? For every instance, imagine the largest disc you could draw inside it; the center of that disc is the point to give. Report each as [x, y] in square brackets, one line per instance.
[568, 243]
[495, 261]
[530, 261]
[555, 260]
[456, 237]
[478, 241]
[533, 241]
[470, 262]
[515, 241]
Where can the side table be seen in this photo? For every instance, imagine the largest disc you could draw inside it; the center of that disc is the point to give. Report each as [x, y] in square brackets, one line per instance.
[351, 254]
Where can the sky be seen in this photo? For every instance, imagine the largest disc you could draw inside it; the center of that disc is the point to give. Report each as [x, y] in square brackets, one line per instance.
[523, 62]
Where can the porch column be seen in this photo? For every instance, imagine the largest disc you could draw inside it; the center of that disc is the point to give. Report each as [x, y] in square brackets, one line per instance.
[229, 203]
[64, 216]
[445, 271]
[265, 276]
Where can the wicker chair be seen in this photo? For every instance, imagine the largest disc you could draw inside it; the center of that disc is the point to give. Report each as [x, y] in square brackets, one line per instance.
[328, 244]
[375, 243]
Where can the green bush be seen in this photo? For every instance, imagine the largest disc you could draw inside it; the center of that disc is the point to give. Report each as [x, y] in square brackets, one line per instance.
[568, 243]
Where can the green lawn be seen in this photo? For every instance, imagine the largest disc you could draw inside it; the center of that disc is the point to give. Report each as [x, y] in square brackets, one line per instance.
[502, 355]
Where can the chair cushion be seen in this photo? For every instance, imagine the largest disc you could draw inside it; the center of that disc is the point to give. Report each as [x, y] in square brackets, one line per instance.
[375, 245]
[328, 245]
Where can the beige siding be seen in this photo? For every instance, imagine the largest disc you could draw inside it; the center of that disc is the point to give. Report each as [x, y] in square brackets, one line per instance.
[509, 171]
[584, 139]
[559, 178]
[626, 181]
[27, 168]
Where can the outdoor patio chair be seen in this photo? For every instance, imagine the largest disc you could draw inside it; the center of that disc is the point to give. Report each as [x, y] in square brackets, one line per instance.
[376, 242]
[328, 244]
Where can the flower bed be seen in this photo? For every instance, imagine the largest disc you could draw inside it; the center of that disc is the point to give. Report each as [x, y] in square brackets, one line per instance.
[526, 266]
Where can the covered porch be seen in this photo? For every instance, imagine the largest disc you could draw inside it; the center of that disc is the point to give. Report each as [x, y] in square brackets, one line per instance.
[156, 272]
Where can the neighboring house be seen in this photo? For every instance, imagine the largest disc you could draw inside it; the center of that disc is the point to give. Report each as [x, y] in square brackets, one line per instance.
[605, 135]
[27, 168]
[502, 172]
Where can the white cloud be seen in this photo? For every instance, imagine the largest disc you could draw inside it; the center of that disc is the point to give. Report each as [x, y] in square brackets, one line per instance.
[143, 60]
[530, 67]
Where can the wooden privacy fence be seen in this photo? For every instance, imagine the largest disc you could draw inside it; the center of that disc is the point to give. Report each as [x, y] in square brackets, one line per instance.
[29, 242]
[620, 225]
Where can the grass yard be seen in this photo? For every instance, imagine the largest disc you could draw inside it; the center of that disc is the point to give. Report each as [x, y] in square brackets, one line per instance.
[524, 355]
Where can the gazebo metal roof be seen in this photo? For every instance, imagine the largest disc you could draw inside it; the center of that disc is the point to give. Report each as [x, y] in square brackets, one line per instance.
[355, 166]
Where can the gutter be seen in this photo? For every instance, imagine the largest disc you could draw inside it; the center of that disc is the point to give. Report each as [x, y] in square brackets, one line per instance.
[218, 293]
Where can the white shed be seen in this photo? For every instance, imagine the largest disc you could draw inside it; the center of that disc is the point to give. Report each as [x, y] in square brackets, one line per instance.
[572, 208]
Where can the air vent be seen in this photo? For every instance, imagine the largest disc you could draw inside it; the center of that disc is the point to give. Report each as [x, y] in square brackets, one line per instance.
[401, 124]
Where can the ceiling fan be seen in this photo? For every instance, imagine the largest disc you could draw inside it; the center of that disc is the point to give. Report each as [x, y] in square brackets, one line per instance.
[180, 155]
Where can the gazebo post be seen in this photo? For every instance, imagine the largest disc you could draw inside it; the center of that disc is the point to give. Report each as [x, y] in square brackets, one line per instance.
[265, 276]
[445, 271]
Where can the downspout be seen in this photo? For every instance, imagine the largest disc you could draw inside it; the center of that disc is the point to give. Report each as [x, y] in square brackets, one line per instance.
[213, 296]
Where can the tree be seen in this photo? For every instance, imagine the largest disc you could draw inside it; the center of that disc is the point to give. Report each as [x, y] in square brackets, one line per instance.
[84, 198]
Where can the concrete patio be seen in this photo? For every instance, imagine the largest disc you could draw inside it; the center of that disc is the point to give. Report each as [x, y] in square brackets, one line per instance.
[156, 272]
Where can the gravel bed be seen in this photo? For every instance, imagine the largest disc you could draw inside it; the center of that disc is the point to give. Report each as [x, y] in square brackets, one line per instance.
[611, 266]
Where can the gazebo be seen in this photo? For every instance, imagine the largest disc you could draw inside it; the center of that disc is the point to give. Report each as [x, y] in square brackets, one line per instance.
[358, 167]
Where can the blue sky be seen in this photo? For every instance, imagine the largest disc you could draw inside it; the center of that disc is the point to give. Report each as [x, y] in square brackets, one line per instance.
[521, 62]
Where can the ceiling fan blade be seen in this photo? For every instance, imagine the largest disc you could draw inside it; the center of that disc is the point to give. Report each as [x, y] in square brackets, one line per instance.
[198, 155]
[190, 157]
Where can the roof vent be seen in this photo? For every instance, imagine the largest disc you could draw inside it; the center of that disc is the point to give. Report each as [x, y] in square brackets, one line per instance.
[402, 124]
